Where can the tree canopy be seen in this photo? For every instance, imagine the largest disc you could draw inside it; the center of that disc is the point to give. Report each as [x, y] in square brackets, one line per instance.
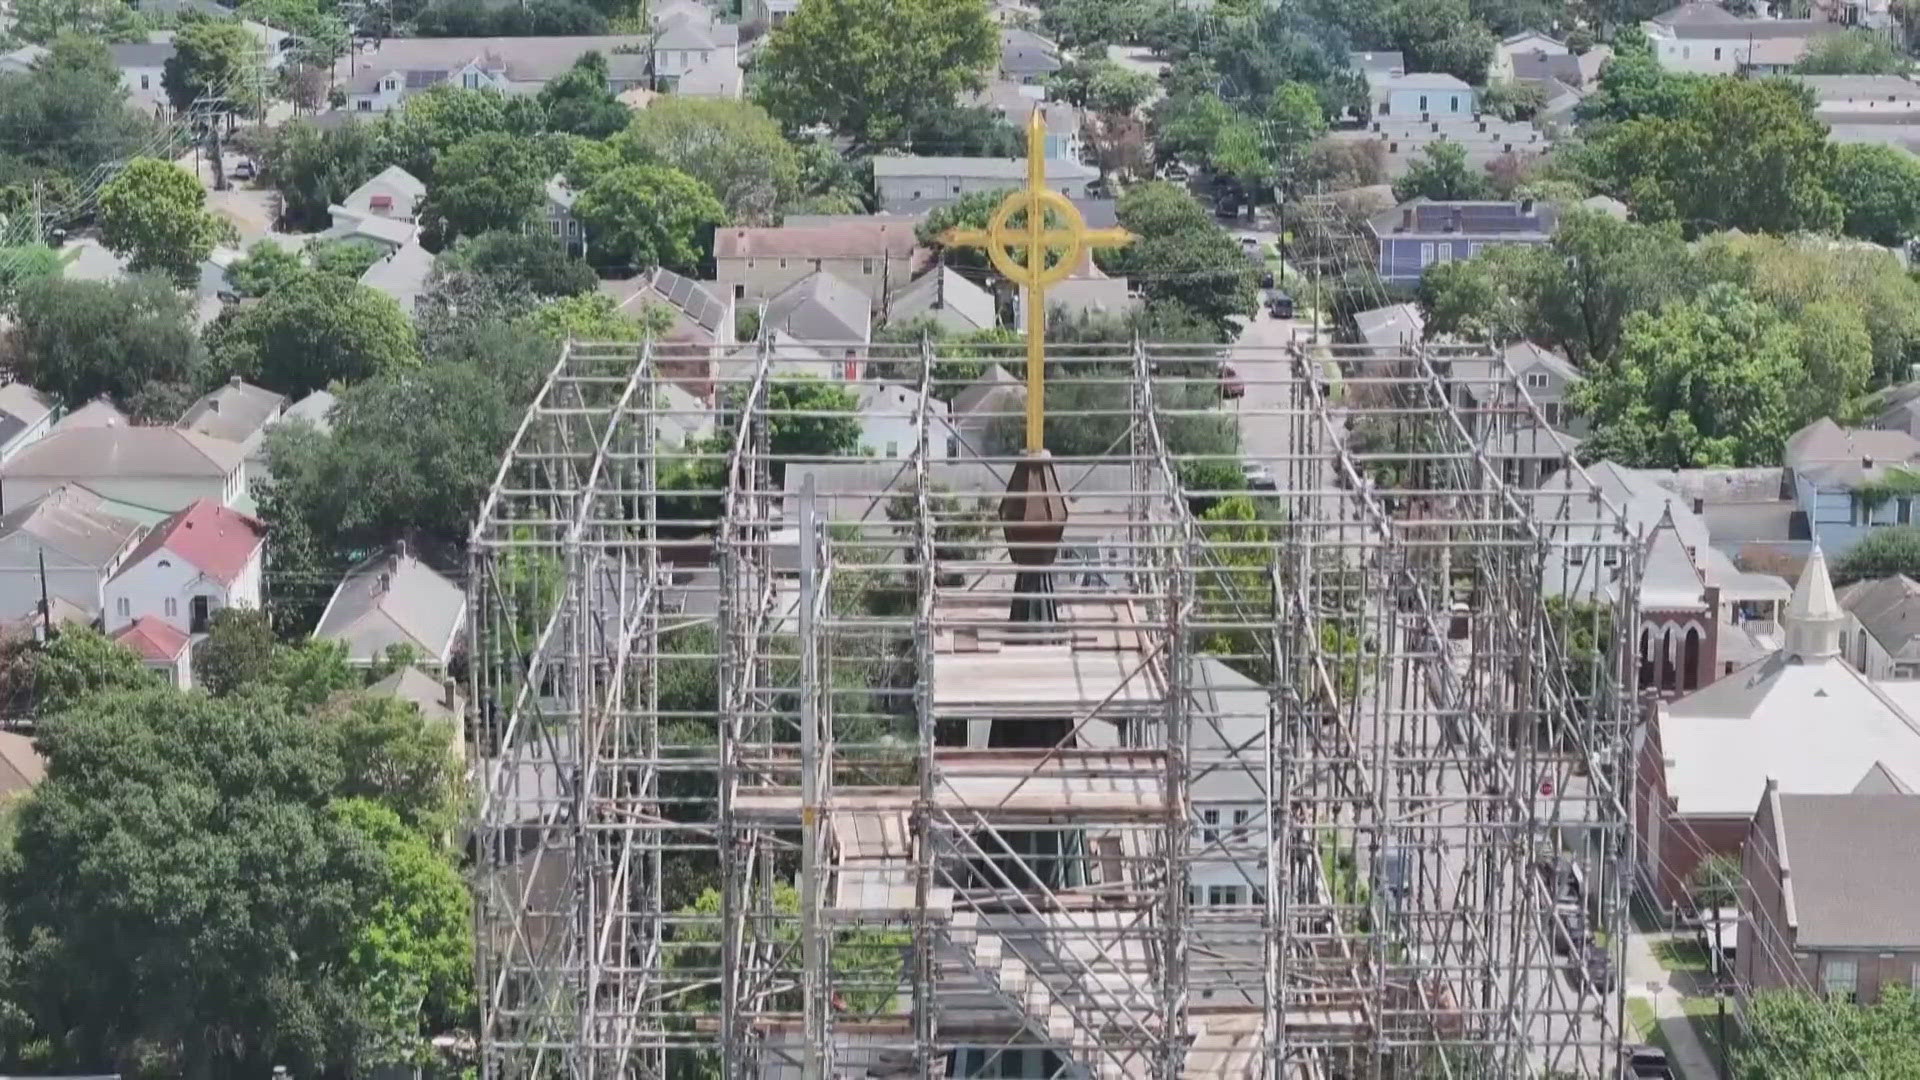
[212, 59]
[1853, 52]
[732, 147]
[492, 180]
[322, 329]
[1880, 553]
[154, 213]
[130, 340]
[643, 216]
[1441, 174]
[1798, 1035]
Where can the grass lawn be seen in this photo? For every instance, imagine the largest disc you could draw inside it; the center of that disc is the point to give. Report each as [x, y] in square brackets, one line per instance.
[1681, 954]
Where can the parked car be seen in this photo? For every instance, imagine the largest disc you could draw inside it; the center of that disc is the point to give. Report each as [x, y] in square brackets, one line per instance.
[1647, 1063]
[1175, 171]
[1570, 933]
[244, 169]
[1592, 970]
[1259, 477]
[1561, 876]
[1231, 387]
[1280, 305]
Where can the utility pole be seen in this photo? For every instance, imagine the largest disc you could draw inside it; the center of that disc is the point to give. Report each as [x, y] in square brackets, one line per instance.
[1719, 988]
[46, 606]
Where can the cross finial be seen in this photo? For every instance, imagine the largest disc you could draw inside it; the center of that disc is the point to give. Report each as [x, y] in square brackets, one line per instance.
[1030, 270]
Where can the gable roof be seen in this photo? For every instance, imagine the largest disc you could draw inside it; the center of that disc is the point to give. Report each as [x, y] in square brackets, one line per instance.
[1854, 869]
[943, 290]
[315, 409]
[96, 413]
[21, 407]
[1831, 455]
[152, 639]
[872, 239]
[821, 307]
[1880, 780]
[117, 452]
[402, 274]
[1523, 355]
[1011, 170]
[1889, 609]
[434, 699]
[996, 390]
[236, 411]
[1391, 326]
[351, 223]
[429, 61]
[687, 32]
[73, 521]
[217, 541]
[142, 54]
[1671, 579]
[394, 178]
[394, 599]
[1418, 80]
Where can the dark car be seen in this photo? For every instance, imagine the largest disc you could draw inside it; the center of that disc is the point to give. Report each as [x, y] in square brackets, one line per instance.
[1647, 1063]
[1570, 932]
[1280, 306]
[1562, 879]
[1592, 970]
[1231, 387]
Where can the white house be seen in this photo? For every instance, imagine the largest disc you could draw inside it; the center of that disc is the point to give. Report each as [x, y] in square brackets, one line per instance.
[397, 68]
[899, 180]
[141, 65]
[559, 217]
[772, 12]
[198, 561]
[67, 539]
[395, 599]
[393, 193]
[150, 472]
[1706, 39]
[877, 254]
[1882, 636]
[890, 422]
[160, 647]
[237, 412]
[1426, 93]
[26, 415]
[688, 44]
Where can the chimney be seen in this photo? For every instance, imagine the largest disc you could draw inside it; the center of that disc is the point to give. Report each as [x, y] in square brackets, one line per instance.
[233, 380]
[213, 404]
[449, 693]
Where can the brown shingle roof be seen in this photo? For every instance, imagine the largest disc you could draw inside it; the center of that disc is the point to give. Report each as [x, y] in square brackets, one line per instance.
[846, 241]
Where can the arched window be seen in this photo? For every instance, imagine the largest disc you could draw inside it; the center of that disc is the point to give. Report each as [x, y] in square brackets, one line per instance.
[1690, 671]
[1669, 658]
[1646, 657]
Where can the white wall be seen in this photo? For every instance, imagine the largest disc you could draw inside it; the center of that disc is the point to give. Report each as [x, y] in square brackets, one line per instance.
[142, 84]
[762, 278]
[28, 437]
[163, 577]
[20, 577]
[161, 494]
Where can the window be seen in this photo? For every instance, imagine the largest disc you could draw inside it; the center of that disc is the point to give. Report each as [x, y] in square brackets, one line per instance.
[1716, 52]
[1611, 558]
[1686, 53]
[1536, 380]
[1444, 253]
[1210, 822]
[816, 266]
[553, 226]
[470, 80]
[393, 84]
[124, 607]
[1223, 895]
[173, 607]
[365, 105]
[740, 292]
[783, 264]
[1194, 896]
[144, 84]
[1426, 256]
[1903, 510]
[573, 227]
[1240, 823]
[1453, 103]
[1423, 103]
[866, 266]
[893, 449]
[1840, 978]
[1474, 248]
[1913, 979]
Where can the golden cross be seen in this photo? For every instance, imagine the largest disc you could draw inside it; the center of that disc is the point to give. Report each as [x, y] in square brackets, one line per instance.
[1072, 239]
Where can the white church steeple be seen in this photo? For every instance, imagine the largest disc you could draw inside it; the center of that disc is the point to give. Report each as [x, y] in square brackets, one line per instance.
[1814, 617]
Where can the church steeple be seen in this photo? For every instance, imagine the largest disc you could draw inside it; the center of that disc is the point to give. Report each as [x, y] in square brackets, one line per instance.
[1814, 618]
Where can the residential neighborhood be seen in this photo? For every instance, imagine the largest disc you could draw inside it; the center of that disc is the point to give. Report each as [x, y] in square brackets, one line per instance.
[994, 539]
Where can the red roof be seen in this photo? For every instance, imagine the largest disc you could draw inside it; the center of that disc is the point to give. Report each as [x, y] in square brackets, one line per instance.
[152, 639]
[216, 540]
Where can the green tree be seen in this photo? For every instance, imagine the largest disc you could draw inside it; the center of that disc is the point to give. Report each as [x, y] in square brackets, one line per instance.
[867, 68]
[1633, 85]
[491, 181]
[79, 340]
[265, 267]
[1881, 553]
[322, 329]
[1597, 272]
[1442, 173]
[969, 211]
[1744, 154]
[1240, 151]
[63, 119]
[79, 663]
[531, 260]
[428, 124]
[346, 259]
[1442, 35]
[581, 101]
[212, 59]
[394, 756]
[1295, 119]
[1703, 383]
[642, 216]
[155, 213]
[42, 21]
[21, 264]
[1101, 85]
[1181, 256]
[313, 168]
[594, 317]
[1795, 274]
[237, 651]
[1853, 52]
[1799, 1035]
[1715, 882]
[1879, 187]
[1187, 126]
[733, 147]
[816, 419]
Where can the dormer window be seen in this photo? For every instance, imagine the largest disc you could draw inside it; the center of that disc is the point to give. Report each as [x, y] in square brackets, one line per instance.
[393, 84]
[1536, 380]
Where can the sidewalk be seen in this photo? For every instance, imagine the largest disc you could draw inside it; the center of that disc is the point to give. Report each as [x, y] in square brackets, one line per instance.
[1648, 981]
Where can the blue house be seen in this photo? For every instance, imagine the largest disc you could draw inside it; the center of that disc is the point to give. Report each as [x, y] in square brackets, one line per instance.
[1425, 93]
[1415, 235]
[1850, 481]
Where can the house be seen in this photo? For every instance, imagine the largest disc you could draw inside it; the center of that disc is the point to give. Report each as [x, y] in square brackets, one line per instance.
[1422, 94]
[984, 409]
[402, 274]
[875, 255]
[393, 193]
[679, 418]
[1861, 14]
[945, 298]
[1802, 717]
[821, 309]
[396, 68]
[437, 697]
[1089, 291]
[1882, 636]
[237, 412]
[666, 12]
[1391, 329]
[1526, 454]
[1705, 38]
[26, 415]
[557, 211]
[1026, 57]
[890, 422]
[1880, 110]
[701, 328]
[161, 648]
[316, 409]
[150, 471]
[686, 44]
[1380, 64]
[1546, 377]
[721, 77]
[1016, 103]
[96, 413]
[1847, 481]
[1827, 892]
[1525, 43]
[200, 560]
[1415, 235]
[141, 65]
[901, 180]
[390, 234]
[1482, 139]
[68, 542]
[1548, 68]
[394, 599]
[770, 12]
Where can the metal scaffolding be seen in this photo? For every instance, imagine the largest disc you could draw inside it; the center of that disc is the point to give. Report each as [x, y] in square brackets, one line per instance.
[1329, 702]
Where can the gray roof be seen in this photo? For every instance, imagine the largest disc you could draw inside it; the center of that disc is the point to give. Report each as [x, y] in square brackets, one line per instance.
[1717, 487]
[1832, 456]
[73, 521]
[1697, 13]
[23, 405]
[1418, 80]
[1880, 780]
[1523, 355]
[119, 452]
[395, 177]
[1854, 865]
[698, 303]
[235, 412]
[688, 33]
[428, 61]
[402, 274]
[1011, 170]
[142, 54]
[394, 599]
[434, 699]
[352, 224]
[944, 295]
[1515, 219]
[96, 413]
[315, 409]
[1378, 63]
[1707, 20]
[718, 77]
[1560, 67]
[821, 308]
[1889, 609]
[1390, 326]
[996, 390]
[1831, 90]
